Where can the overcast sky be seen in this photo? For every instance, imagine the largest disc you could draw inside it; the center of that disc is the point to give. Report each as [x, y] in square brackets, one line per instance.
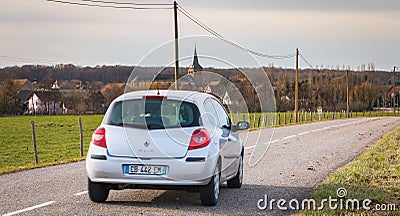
[328, 33]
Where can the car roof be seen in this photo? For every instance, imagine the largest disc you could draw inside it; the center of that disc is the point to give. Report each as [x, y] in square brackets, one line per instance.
[172, 94]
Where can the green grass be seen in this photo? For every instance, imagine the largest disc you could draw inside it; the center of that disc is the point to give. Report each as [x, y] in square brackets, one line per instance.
[374, 175]
[57, 140]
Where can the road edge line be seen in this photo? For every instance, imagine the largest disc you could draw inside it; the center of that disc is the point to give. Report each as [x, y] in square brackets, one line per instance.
[30, 208]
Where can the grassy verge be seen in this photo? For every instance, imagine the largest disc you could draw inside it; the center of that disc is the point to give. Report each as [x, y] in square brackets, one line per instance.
[57, 140]
[374, 175]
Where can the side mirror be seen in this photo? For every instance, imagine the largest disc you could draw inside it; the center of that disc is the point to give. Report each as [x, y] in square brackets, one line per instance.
[242, 125]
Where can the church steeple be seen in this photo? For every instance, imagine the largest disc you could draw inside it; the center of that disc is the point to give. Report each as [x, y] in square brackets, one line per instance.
[196, 64]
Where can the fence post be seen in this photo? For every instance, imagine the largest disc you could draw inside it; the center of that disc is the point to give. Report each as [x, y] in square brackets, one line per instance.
[80, 135]
[254, 120]
[284, 118]
[279, 118]
[34, 142]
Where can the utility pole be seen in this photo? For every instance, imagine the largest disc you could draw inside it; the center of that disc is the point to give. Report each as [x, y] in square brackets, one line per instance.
[176, 46]
[394, 89]
[296, 89]
[347, 94]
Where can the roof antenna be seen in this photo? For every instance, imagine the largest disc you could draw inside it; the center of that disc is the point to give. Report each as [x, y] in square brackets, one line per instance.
[158, 91]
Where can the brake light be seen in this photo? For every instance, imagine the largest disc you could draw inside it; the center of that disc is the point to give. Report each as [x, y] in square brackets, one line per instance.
[200, 138]
[99, 137]
[154, 97]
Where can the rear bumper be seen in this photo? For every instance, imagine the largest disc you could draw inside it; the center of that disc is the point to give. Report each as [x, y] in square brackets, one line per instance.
[179, 171]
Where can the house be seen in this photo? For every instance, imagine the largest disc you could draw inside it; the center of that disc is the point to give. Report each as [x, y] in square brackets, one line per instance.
[46, 102]
[24, 87]
[219, 90]
[23, 84]
[213, 87]
[226, 99]
[55, 86]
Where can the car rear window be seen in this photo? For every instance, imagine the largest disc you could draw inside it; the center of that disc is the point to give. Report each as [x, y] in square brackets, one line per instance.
[154, 114]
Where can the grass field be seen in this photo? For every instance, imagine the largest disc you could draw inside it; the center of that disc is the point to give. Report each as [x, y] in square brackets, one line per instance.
[374, 175]
[57, 140]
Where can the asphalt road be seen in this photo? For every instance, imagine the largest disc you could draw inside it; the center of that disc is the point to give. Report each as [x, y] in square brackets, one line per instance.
[298, 158]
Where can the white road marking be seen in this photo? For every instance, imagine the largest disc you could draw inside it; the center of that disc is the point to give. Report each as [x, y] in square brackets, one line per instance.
[288, 137]
[250, 147]
[30, 208]
[274, 141]
[303, 133]
[81, 193]
[315, 130]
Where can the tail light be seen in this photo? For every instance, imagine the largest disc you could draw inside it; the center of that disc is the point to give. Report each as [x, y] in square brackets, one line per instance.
[200, 138]
[99, 137]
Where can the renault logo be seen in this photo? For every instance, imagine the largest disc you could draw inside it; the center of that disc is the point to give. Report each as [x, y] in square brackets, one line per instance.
[146, 143]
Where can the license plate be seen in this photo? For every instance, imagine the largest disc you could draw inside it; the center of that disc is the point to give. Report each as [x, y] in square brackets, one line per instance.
[145, 170]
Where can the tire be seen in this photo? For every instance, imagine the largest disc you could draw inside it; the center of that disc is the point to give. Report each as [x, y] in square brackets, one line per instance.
[209, 193]
[237, 181]
[98, 192]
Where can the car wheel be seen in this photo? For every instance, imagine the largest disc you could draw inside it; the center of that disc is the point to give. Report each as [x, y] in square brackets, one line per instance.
[98, 192]
[209, 194]
[236, 182]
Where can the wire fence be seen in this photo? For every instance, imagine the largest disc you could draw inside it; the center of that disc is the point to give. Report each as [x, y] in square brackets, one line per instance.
[271, 119]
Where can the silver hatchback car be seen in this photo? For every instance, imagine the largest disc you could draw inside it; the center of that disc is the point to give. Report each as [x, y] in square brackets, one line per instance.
[165, 140]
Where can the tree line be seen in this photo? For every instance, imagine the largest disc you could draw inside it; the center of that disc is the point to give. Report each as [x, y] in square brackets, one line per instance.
[317, 87]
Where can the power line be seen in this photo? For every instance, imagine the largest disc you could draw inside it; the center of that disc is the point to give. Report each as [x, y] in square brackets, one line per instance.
[150, 6]
[127, 3]
[26, 60]
[108, 6]
[154, 6]
[305, 60]
[214, 33]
